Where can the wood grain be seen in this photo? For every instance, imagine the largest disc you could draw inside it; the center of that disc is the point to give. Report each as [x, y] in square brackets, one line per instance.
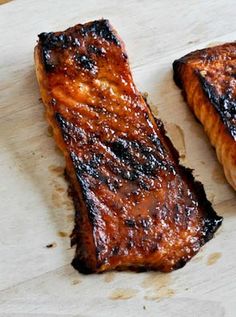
[35, 209]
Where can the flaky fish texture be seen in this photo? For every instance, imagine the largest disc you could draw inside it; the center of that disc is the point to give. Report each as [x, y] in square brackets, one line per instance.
[208, 80]
[136, 207]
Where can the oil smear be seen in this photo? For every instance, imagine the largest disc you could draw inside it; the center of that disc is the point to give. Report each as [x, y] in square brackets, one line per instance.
[176, 135]
[123, 293]
[218, 175]
[213, 258]
[157, 286]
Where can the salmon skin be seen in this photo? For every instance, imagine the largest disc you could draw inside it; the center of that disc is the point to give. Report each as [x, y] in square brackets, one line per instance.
[208, 80]
[136, 206]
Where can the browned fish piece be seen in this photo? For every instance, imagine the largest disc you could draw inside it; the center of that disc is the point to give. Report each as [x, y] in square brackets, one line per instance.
[136, 207]
[208, 80]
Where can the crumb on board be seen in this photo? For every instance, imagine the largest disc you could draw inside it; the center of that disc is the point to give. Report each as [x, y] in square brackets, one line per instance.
[51, 245]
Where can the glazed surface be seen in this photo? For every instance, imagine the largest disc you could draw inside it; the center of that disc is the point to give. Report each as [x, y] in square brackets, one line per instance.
[136, 207]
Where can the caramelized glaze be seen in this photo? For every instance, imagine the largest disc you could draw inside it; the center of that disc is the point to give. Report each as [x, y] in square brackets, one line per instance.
[136, 207]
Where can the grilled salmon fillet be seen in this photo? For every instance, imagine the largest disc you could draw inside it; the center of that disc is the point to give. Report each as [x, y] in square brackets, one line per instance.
[208, 80]
[136, 207]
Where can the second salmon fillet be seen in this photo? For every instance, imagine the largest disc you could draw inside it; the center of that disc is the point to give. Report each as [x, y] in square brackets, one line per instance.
[136, 206]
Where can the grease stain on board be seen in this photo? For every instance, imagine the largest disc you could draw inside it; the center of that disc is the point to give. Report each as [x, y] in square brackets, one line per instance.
[123, 293]
[213, 258]
[153, 107]
[56, 199]
[156, 280]
[61, 201]
[162, 293]
[218, 175]
[60, 197]
[4, 1]
[70, 218]
[211, 197]
[62, 234]
[49, 131]
[57, 170]
[58, 151]
[76, 282]
[68, 203]
[59, 187]
[109, 277]
[158, 286]
[176, 134]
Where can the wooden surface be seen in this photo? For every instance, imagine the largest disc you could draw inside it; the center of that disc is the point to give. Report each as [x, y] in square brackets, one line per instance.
[36, 280]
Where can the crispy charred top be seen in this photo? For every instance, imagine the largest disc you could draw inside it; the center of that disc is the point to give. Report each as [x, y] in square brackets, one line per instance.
[216, 70]
[135, 205]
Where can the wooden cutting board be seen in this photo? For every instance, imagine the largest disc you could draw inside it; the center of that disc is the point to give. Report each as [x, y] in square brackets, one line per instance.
[36, 215]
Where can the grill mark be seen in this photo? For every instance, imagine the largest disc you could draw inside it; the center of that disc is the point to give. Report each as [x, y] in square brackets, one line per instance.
[128, 166]
[85, 62]
[70, 131]
[130, 223]
[100, 51]
[145, 223]
[91, 168]
[149, 162]
[88, 167]
[115, 250]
